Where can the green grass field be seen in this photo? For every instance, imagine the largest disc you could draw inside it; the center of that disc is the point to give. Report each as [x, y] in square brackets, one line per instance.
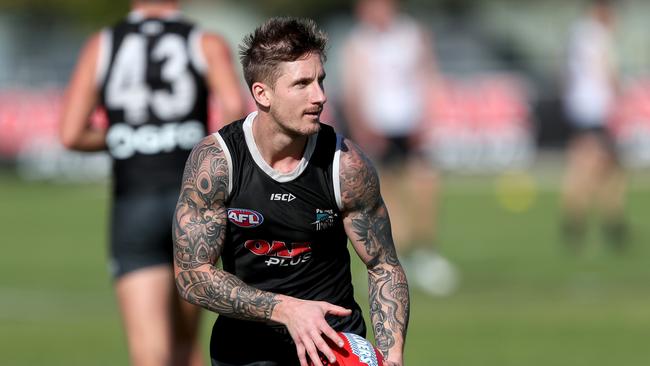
[523, 300]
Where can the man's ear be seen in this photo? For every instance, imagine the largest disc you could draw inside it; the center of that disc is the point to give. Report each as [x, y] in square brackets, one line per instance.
[262, 94]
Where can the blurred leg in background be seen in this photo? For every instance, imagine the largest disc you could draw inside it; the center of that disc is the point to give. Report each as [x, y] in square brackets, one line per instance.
[410, 187]
[149, 327]
[413, 194]
[594, 182]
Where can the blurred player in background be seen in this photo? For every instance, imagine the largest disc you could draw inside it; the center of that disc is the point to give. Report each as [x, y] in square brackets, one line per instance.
[388, 72]
[153, 73]
[276, 196]
[594, 173]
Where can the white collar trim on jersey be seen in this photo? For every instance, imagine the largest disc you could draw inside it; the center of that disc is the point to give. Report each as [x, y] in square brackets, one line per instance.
[137, 16]
[259, 160]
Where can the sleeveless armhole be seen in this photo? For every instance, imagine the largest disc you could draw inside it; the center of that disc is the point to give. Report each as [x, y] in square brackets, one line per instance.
[197, 57]
[336, 174]
[226, 152]
[104, 55]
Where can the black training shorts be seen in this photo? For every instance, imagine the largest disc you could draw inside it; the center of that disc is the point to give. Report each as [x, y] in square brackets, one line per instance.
[141, 231]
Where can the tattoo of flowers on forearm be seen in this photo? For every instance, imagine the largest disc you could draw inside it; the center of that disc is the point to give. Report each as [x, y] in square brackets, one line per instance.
[400, 292]
[389, 306]
[378, 316]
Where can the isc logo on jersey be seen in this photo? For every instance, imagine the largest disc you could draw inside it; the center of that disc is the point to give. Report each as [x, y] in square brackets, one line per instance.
[287, 197]
[245, 218]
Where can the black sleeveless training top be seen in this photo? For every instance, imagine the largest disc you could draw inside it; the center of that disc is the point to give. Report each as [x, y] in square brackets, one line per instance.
[152, 86]
[285, 231]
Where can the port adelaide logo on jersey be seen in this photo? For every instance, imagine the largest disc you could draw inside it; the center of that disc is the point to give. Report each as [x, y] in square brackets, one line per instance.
[245, 218]
[324, 219]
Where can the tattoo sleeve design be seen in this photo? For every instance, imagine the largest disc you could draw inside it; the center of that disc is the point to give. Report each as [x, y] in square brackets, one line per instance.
[368, 226]
[199, 232]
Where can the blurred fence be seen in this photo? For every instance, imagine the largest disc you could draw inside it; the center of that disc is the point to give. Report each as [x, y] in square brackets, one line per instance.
[486, 123]
[497, 105]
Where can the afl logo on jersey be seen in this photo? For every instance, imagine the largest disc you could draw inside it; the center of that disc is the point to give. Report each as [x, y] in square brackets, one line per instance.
[245, 218]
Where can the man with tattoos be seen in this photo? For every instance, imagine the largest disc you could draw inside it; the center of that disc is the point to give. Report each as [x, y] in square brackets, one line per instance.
[277, 196]
[152, 72]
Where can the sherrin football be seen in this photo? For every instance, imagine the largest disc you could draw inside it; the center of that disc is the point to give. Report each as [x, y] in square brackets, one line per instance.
[356, 351]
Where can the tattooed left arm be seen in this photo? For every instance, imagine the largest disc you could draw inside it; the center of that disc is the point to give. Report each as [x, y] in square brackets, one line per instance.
[368, 227]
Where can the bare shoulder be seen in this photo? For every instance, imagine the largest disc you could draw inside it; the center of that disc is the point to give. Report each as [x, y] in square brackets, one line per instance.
[215, 45]
[359, 179]
[90, 51]
[93, 42]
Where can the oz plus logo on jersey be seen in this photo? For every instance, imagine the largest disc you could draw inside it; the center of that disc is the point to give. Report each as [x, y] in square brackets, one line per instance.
[324, 219]
[279, 253]
[245, 218]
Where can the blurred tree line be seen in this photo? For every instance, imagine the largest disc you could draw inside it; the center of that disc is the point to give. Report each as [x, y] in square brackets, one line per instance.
[93, 13]
[88, 13]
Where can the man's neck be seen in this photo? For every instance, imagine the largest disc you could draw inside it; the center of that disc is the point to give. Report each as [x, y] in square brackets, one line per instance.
[283, 152]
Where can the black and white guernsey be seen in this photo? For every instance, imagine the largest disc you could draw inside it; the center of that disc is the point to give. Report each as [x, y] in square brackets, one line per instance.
[151, 77]
[285, 231]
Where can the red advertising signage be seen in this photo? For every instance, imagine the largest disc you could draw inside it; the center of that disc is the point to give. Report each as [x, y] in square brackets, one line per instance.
[481, 124]
[631, 123]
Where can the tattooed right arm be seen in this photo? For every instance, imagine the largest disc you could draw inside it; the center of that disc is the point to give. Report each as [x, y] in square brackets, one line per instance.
[199, 232]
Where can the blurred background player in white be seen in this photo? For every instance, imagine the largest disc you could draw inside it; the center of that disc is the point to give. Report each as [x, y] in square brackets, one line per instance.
[594, 173]
[153, 73]
[388, 70]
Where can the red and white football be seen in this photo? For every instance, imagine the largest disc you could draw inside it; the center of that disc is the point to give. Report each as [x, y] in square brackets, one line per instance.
[356, 351]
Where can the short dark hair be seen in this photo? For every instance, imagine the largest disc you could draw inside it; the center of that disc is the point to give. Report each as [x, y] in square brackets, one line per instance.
[279, 39]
